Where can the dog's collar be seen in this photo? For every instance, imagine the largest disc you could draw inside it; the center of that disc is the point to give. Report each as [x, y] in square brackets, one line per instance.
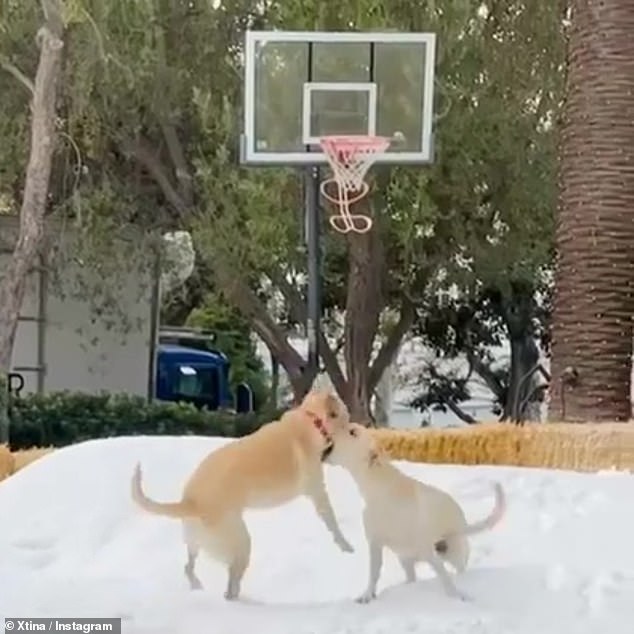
[321, 428]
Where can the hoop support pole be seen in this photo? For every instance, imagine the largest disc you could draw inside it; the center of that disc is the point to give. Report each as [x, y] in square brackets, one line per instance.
[313, 291]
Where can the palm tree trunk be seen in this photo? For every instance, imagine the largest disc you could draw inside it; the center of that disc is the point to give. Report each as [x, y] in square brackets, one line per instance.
[594, 299]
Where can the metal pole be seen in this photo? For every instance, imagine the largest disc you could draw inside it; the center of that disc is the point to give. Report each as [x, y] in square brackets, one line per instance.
[313, 294]
[42, 325]
[155, 312]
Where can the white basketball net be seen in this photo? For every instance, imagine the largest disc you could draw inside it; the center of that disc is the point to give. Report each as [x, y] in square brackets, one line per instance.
[350, 158]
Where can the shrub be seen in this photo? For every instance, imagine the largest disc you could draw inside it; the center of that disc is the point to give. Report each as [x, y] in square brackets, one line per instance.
[233, 336]
[63, 418]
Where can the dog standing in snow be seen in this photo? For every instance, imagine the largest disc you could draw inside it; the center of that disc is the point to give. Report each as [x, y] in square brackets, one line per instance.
[416, 521]
[279, 462]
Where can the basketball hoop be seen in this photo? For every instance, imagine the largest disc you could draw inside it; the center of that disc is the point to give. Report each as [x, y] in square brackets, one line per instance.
[350, 158]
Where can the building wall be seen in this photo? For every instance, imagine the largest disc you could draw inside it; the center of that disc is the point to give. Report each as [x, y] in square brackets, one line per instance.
[82, 350]
[26, 341]
[83, 354]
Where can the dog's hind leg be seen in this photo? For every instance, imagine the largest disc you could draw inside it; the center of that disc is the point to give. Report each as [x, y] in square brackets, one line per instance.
[239, 562]
[192, 542]
[227, 540]
[192, 555]
[408, 565]
[455, 552]
[445, 578]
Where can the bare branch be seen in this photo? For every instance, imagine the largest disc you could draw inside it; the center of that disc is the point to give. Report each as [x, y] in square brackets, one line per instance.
[239, 293]
[177, 154]
[52, 10]
[149, 159]
[297, 307]
[390, 346]
[13, 70]
[249, 304]
[460, 413]
[486, 374]
[449, 401]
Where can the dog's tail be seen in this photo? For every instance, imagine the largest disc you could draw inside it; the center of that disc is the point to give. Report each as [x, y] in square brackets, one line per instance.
[170, 509]
[493, 518]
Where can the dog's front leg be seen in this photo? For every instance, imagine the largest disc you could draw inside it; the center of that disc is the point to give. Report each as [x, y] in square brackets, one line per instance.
[375, 552]
[319, 497]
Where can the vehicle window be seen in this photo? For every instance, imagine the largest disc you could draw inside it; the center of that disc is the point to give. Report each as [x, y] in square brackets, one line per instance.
[197, 381]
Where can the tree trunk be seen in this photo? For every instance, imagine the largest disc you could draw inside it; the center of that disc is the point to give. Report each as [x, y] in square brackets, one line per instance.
[364, 303]
[33, 209]
[383, 398]
[594, 299]
[524, 359]
[275, 381]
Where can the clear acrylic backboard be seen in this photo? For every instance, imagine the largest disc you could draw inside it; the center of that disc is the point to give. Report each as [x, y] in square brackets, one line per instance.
[300, 86]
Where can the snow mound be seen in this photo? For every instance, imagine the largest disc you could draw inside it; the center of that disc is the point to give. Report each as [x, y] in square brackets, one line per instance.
[73, 544]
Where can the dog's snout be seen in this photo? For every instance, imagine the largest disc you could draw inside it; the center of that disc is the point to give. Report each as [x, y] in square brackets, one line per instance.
[441, 547]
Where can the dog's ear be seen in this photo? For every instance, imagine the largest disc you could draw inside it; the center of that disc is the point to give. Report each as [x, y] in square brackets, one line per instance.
[332, 405]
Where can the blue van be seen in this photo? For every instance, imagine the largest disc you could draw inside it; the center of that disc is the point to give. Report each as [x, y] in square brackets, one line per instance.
[190, 370]
[194, 376]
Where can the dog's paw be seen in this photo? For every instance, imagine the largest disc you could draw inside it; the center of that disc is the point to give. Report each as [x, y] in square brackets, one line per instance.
[366, 597]
[461, 596]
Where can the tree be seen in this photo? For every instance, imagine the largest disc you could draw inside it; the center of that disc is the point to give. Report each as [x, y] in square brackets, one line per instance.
[43, 92]
[499, 196]
[155, 120]
[594, 284]
[466, 329]
[233, 338]
[491, 177]
[27, 245]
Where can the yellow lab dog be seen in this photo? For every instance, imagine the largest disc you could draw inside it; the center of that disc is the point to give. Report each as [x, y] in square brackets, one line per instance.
[7, 462]
[280, 461]
[416, 521]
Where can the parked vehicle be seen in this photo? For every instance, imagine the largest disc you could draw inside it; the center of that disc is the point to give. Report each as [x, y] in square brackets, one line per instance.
[190, 369]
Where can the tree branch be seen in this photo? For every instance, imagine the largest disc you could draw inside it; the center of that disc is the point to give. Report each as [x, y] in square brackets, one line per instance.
[240, 294]
[390, 346]
[174, 145]
[250, 305]
[13, 70]
[52, 10]
[177, 154]
[298, 309]
[149, 159]
[486, 374]
[460, 413]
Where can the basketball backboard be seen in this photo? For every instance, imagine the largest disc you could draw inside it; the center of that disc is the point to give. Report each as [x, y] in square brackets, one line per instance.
[300, 86]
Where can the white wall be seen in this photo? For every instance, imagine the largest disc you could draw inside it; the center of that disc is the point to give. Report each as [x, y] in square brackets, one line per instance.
[25, 348]
[83, 354]
[83, 351]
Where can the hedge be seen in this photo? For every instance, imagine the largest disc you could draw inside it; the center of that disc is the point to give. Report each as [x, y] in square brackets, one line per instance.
[574, 446]
[63, 418]
[587, 447]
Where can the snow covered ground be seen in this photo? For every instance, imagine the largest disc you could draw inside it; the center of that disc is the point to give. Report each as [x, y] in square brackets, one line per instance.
[73, 544]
